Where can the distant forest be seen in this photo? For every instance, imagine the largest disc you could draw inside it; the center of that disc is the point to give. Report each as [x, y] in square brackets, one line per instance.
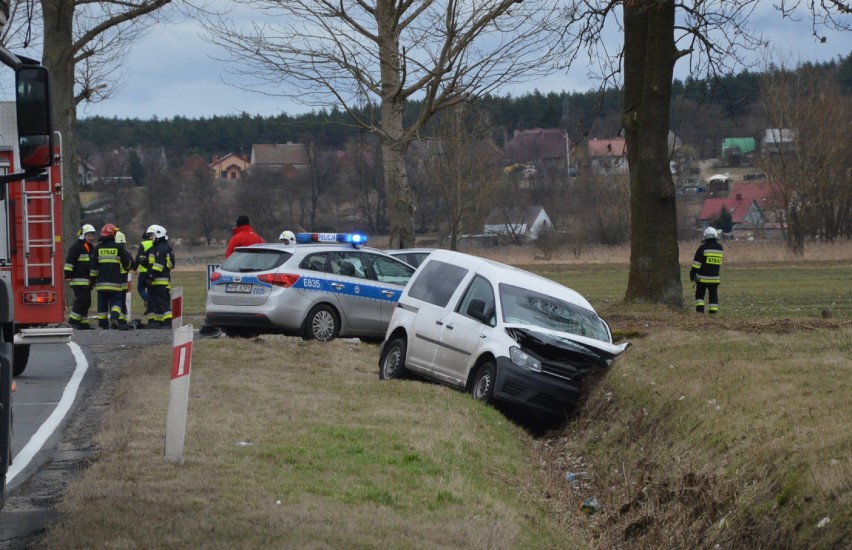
[703, 113]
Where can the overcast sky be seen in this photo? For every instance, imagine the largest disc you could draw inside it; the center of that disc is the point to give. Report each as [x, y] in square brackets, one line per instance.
[172, 72]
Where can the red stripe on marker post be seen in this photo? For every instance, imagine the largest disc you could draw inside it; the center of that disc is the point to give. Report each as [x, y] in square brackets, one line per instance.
[177, 307]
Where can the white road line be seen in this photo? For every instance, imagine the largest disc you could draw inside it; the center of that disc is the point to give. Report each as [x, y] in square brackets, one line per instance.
[37, 441]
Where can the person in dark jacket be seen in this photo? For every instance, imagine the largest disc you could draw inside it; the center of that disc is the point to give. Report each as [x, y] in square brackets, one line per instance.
[77, 266]
[108, 271]
[706, 267]
[160, 265]
[243, 235]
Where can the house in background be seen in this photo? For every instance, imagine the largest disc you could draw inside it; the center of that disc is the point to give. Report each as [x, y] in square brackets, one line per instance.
[538, 148]
[229, 167]
[778, 141]
[517, 222]
[86, 173]
[608, 156]
[193, 165]
[736, 149]
[756, 210]
[287, 157]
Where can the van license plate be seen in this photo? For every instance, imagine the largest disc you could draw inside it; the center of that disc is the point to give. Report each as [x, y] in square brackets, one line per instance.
[238, 287]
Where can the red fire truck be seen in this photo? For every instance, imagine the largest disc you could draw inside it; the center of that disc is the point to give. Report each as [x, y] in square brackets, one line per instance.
[31, 259]
[31, 280]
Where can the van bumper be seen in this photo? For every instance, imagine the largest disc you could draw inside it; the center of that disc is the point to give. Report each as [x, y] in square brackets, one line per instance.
[535, 390]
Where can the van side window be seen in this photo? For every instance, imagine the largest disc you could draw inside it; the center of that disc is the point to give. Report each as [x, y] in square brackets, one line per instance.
[479, 289]
[436, 282]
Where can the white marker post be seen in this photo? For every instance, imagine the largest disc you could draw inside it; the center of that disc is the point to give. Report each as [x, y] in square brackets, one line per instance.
[128, 296]
[177, 307]
[178, 395]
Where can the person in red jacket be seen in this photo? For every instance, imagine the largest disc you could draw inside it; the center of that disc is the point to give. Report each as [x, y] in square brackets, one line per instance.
[244, 235]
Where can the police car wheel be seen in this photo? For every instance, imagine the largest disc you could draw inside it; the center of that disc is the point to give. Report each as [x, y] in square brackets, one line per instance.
[483, 383]
[322, 324]
[392, 365]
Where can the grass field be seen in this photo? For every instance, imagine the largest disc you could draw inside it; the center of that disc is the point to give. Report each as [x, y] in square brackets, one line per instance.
[731, 432]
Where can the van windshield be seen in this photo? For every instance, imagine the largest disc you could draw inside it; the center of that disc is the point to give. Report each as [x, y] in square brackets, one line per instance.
[527, 307]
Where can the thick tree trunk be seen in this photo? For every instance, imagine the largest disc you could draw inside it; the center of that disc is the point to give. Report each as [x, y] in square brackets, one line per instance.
[394, 139]
[58, 57]
[400, 198]
[649, 57]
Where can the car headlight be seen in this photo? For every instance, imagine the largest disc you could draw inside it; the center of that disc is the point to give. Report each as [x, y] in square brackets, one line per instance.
[523, 359]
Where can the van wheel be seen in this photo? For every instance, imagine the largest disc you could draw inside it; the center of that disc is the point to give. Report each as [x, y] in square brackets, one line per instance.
[392, 363]
[483, 382]
[22, 356]
[322, 324]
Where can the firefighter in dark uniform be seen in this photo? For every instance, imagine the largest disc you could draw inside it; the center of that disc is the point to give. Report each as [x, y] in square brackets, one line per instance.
[141, 264]
[705, 272]
[77, 266]
[109, 266]
[121, 241]
[160, 264]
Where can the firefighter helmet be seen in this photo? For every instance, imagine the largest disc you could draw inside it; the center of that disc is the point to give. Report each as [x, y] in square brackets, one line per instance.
[120, 238]
[157, 230]
[87, 228]
[108, 230]
[287, 237]
[710, 233]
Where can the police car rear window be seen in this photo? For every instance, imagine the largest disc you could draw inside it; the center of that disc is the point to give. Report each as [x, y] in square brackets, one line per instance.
[251, 260]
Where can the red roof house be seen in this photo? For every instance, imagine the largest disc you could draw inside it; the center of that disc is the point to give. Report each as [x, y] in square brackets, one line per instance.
[753, 205]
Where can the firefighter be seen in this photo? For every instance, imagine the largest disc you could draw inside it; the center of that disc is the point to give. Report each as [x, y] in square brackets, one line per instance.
[161, 263]
[705, 272]
[287, 237]
[108, 271]
[141, 264]
[121, 241]
[77, 274]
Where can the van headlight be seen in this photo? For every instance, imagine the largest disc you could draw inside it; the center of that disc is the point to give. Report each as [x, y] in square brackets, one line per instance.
[523, 359]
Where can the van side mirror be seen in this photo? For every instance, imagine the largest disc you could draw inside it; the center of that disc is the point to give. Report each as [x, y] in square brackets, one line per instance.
[35, 124]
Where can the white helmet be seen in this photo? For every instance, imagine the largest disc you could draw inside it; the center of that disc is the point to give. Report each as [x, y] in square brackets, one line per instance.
[87, 228]
[158, 230]
[710, 233]
[287, 237]
[120, 238]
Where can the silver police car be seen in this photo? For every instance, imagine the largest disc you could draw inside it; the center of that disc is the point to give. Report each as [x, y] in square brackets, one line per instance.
[327, 285]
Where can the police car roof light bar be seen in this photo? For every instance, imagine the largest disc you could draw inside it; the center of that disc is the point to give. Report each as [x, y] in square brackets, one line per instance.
[354, 239]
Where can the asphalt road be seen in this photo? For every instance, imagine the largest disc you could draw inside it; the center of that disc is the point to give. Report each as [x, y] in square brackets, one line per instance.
[56, 449]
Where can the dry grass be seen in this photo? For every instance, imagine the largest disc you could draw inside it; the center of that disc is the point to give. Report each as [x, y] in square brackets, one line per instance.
[739, 439]
[304, 448]
[732, 432]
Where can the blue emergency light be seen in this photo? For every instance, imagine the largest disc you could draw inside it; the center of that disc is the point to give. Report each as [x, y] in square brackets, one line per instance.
[354, 239]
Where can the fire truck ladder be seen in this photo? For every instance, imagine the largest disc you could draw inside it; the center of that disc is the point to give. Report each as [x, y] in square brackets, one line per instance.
[31, 222]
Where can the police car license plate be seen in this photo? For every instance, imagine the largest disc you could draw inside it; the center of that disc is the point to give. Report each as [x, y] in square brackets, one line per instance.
[238, 287]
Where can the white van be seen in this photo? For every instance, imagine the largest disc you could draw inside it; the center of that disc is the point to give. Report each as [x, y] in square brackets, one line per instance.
[499, 332]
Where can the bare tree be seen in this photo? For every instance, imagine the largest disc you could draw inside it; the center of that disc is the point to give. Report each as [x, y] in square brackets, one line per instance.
[442, 52]
[207, 211]
[809, 169]
[84, 45]
[262, 198]
[464, 166]
[713, 36]
[322, 171]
